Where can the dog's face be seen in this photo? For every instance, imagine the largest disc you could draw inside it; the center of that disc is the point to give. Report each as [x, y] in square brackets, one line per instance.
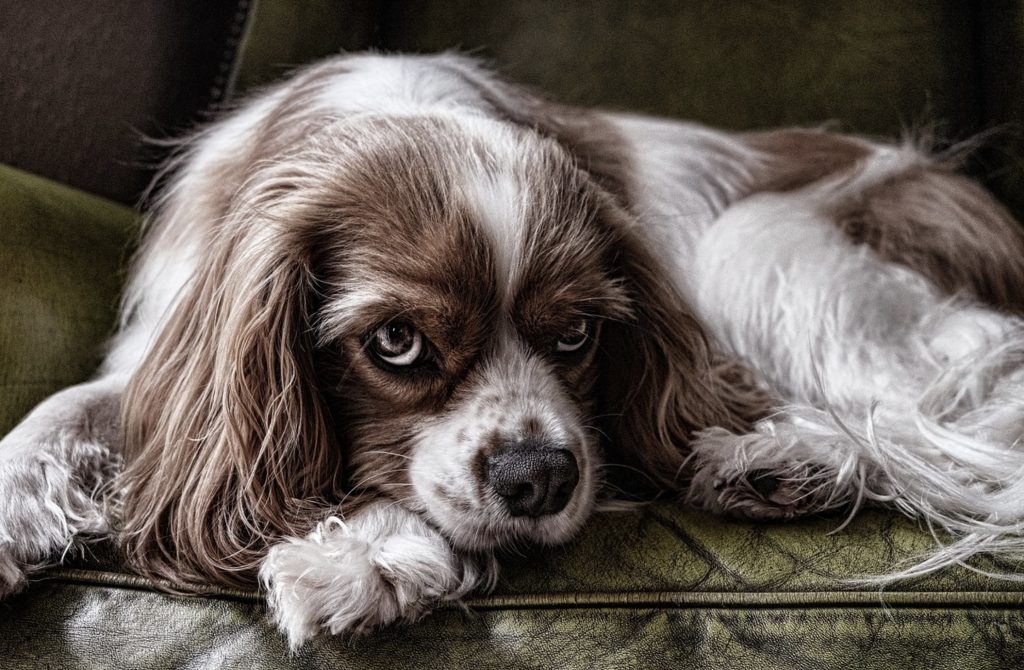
[465, 298]
[447, 311]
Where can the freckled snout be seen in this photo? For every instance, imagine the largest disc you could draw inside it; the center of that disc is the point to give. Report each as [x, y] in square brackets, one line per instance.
[533, 478]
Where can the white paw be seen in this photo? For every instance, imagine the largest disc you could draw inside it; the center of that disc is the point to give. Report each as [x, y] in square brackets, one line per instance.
[355, 577]
[47, 500]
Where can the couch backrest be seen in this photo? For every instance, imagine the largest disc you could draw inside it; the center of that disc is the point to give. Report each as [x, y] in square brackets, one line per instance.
[872, 66]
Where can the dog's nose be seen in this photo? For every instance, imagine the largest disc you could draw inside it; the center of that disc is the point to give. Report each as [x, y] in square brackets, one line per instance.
[533, 479]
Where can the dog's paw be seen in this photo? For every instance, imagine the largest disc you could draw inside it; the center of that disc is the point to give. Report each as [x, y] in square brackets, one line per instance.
[746, 477]
[12, 571]
[48, 499]
[351, 578]
[760, 495]
[29, 529]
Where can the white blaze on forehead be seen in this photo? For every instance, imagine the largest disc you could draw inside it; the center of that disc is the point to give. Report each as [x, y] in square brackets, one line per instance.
[498, 201]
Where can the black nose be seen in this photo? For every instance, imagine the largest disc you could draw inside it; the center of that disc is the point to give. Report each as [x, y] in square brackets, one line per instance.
[533, 479]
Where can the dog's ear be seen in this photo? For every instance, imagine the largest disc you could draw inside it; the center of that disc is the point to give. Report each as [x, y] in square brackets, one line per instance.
[225, 425]
[661, 380]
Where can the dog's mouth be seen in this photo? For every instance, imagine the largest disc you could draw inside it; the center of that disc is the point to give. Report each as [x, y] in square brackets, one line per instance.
[477, 531]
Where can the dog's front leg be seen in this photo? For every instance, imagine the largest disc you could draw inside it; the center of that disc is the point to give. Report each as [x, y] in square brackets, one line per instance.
[381, 565]
[786, 468]
[53, 470]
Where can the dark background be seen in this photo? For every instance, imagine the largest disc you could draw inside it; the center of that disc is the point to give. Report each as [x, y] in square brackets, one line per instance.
[83, 83]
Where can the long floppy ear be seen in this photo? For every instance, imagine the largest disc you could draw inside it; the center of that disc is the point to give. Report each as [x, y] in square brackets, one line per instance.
[661, 380]
[227, 432]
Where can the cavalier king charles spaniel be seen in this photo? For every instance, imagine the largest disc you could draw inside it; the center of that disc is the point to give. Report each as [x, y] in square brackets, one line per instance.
[396, 313]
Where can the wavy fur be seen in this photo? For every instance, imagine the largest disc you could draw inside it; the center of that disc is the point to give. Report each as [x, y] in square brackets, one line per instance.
[771, 324]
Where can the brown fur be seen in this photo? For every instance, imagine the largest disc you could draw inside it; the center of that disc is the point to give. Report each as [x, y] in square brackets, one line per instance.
[225, 424]
[662, 382]
[255, 395]
[258, 412]
[943, 225]
[592, 142]
[659, 358]
[231, 441]
[796, 157]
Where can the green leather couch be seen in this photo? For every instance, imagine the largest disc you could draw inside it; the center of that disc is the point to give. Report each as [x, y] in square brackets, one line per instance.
[659, 587]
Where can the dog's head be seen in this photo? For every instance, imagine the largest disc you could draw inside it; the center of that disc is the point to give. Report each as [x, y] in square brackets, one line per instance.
[463, 317]
[446, 310]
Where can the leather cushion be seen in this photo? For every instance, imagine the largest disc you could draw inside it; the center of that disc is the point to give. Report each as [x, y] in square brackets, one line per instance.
[655, 588]
[61, 259]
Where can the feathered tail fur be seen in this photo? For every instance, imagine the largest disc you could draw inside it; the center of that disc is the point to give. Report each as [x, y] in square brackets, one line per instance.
[901, 365]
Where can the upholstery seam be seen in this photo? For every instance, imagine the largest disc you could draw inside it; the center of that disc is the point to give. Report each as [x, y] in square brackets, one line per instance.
[238, 37]
[631, 599]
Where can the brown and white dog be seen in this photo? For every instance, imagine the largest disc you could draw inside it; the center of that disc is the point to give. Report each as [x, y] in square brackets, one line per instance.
[395, 313]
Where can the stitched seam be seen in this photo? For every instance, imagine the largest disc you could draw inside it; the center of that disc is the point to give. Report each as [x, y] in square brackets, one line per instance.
[752, 599]
[656, 599]
[227, 68]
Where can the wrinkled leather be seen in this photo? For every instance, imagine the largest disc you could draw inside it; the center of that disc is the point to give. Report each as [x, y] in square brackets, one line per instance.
[89, 627]
[658, 587]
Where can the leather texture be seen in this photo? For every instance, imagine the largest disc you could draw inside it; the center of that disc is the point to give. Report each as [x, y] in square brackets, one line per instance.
[659, 587]
[279, 36]
[61, 259]
[87, 627]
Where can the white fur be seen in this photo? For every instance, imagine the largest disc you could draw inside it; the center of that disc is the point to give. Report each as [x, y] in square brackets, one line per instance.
[499, 200]
[52, 471]
[512, 389]
[398, 85]
[898, 394]
[352, 575]
[684, 176]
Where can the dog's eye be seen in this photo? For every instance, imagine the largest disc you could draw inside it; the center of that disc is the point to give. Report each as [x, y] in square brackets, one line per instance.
[576, 337]
[397, 344]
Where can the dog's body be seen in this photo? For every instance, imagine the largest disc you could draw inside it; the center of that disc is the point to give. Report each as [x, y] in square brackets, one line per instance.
[387, 311]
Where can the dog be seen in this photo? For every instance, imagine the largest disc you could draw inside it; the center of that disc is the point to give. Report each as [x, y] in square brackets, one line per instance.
[396, 312]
